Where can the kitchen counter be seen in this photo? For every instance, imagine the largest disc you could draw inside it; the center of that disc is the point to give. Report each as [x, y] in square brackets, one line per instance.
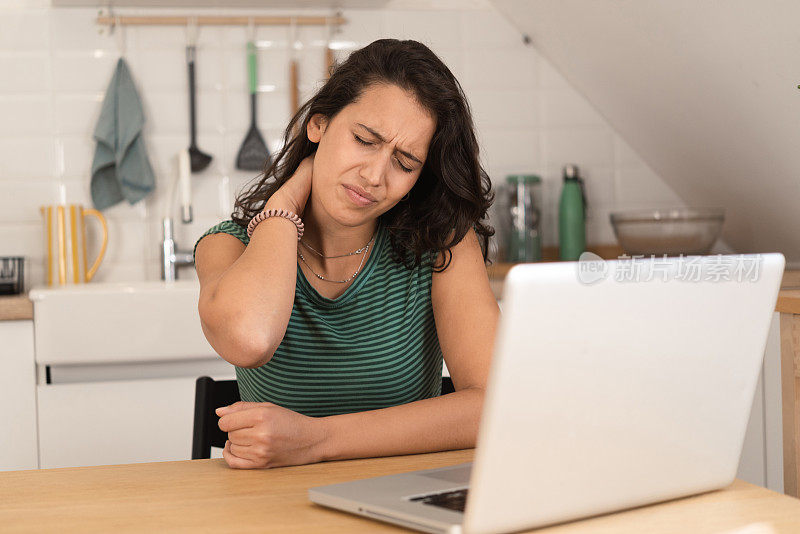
[789, 301]
[207, 495]
[20, 307]
[16, 308]
[498, 271]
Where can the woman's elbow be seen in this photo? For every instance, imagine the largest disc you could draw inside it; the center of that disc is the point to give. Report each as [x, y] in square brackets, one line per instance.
[256, 358]
[252, 352]
[242, 347]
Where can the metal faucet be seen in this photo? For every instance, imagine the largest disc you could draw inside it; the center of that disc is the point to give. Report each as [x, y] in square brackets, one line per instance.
[172, 259]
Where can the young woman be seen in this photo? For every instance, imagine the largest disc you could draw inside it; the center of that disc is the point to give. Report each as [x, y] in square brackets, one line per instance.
[352, 267]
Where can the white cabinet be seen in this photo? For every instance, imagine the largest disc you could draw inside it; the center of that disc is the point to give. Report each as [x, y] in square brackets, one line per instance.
[117, 365]
[117, 419]
[18, 448]
[115, 422]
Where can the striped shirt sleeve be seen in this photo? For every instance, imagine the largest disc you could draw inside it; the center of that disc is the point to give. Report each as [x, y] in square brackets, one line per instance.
[225, 227]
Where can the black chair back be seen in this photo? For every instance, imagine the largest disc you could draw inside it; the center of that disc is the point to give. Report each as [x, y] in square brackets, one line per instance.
[210, 394]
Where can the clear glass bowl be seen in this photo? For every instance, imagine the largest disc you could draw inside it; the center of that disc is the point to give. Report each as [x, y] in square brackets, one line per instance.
[671, 231]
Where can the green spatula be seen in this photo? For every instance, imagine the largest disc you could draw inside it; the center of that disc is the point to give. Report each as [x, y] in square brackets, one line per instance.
[253, 154]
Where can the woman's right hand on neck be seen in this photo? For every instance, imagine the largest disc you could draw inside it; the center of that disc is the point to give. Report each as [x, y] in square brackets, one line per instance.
[294, 193]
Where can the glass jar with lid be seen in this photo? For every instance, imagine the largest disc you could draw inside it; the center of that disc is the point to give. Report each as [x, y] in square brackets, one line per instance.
[524, 233]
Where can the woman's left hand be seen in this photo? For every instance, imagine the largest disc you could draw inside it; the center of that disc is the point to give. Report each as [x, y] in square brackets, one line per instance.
[262, 434]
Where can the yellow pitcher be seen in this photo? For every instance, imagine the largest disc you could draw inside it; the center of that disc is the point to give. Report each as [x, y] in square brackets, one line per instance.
[65, 236]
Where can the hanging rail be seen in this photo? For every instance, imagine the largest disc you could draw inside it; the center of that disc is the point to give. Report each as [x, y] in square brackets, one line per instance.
[214, 20]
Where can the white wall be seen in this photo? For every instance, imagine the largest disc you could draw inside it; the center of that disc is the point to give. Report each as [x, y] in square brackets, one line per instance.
[705, 91]
[56, 64]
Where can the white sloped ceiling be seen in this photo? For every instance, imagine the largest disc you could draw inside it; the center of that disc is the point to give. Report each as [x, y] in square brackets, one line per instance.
[705, 91]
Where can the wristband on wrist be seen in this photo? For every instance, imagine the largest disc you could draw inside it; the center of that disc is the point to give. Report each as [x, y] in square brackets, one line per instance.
[286, 214]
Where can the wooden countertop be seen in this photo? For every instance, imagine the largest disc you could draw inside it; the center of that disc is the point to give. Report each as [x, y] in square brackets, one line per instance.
[788, 301]
[208, 496]
[20, 308]
[15, 308]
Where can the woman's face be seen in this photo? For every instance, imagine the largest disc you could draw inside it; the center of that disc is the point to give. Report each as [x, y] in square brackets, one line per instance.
[355, 182]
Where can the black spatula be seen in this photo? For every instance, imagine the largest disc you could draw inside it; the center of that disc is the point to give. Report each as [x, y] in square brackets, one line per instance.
[199, 159]
[253, 154]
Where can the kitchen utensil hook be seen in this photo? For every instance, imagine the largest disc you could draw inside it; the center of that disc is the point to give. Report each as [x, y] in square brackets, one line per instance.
[120, 29]
[251, 29]
[293, 35]
[330, 57]
[191, 31]
[332, 26]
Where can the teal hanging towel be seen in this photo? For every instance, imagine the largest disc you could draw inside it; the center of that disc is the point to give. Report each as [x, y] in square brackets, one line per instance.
[120, 169]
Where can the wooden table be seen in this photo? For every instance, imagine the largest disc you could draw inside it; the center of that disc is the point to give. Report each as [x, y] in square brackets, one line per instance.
[208, 496]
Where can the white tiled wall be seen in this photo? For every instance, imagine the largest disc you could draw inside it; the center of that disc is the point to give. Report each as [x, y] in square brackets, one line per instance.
[55, 65]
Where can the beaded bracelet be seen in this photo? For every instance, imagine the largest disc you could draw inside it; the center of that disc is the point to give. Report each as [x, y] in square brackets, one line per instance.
[286, 214]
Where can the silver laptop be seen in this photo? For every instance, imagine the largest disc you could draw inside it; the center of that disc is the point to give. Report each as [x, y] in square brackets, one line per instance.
[613, 384]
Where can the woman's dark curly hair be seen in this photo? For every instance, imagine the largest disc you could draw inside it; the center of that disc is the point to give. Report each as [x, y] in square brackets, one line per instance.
[453, 191]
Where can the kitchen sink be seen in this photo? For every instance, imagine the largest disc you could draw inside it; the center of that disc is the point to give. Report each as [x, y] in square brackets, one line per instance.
[118, 322]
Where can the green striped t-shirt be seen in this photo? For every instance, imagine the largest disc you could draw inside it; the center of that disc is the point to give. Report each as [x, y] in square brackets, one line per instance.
[373, 347]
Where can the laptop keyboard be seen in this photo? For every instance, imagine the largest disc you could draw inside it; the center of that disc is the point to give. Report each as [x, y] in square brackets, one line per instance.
[452, 500]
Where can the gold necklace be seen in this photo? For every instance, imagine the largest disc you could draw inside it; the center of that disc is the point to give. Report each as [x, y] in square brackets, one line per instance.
[318, 253]
[365, 249]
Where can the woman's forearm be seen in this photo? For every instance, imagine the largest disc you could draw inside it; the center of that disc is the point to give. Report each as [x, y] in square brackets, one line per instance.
[250, 304]
[437, 424]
